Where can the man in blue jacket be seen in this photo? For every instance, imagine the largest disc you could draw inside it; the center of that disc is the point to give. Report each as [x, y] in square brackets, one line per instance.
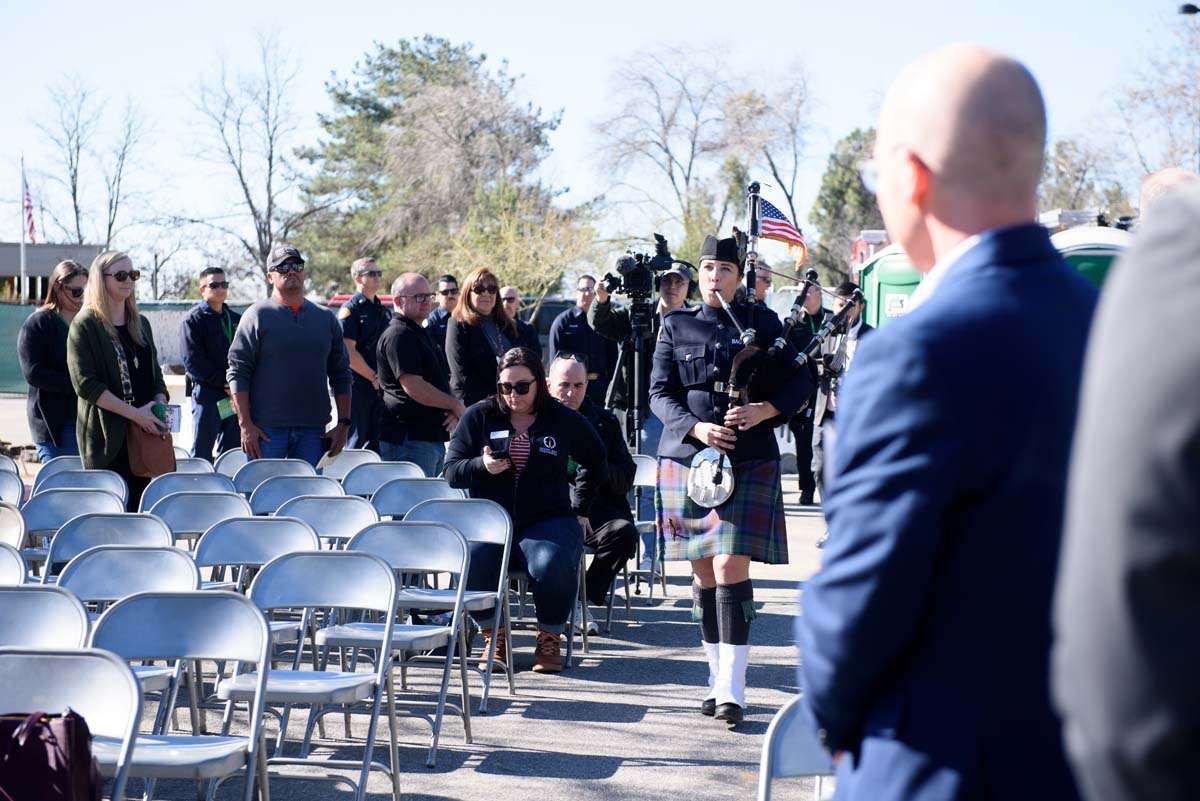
[205, 335]
[925, 637]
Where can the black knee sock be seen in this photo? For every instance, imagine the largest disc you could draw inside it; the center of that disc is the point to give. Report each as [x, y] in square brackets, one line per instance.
[735, 610]
[704, 612]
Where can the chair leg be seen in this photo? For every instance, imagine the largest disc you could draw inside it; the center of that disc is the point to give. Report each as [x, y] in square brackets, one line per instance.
[441, 707]
[463, 654]
[345, 715]
[393, 750]
[264, 782]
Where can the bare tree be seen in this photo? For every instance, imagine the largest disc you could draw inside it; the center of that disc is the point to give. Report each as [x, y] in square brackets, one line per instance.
[71, 130]
[116, 168]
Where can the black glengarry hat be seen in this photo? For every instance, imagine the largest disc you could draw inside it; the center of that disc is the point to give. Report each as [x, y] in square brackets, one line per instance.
[720, 250]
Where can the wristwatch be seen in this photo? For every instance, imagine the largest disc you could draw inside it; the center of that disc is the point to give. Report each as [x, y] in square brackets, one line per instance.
[344, 421]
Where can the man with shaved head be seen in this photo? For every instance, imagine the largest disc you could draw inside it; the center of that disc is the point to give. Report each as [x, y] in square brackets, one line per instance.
[925, 637]
[419, 411]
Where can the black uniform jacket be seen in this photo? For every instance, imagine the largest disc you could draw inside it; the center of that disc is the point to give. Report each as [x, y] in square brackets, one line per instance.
[695, 351]
[204, 347]
[42, 351]
[542, 491]
[612, 502]
[364, 321]
[472, 360]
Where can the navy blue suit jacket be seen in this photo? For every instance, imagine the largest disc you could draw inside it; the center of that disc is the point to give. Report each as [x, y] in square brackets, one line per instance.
[925, 637]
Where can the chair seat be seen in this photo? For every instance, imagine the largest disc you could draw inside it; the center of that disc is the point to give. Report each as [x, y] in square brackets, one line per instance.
[367, 635]
[175, 756]
[219, 585]
[301, 687]
[284, 630]
[35, 555]
[153, 678]
[422, 598]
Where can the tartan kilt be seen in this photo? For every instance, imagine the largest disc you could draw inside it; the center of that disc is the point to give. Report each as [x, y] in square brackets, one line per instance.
[750, 523]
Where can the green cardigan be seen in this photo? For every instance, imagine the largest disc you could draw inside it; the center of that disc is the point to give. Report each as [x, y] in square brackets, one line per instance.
[92, 362]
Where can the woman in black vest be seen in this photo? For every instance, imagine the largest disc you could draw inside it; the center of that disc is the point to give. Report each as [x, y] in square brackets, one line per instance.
[477, 334]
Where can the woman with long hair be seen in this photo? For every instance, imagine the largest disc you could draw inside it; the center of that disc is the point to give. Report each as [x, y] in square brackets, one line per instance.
[478, 333]
[42, 350]
[104, 376]
[530, 480]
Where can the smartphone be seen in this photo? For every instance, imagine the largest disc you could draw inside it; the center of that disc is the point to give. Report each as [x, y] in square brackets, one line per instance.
[498, 442]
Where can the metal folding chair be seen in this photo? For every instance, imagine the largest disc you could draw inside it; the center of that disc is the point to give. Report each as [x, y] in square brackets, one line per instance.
[190, 514]
[366, 479]
[244, 542]
[347, 460]
[790, 750]
[328, 580]
[12, 488]
[335, 519]
[9, 464]
[94, 683]
[12, 525]
[397, 497]
[47, 512]
[418, 550]
[191, 464]
[171, 483]
[645, 479]
[487, 529]
[278, 490]
[54, 465]
[256, 471]
[229, 462]
[86, 479]
[181, 453]
[87, 531]
[184, 628]
[13, 570]
[33, 616]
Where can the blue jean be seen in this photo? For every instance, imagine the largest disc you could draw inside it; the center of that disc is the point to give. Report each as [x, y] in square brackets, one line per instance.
[69, 447]
[549, 552]
[429, 456]
[207, 426]
[298, 442]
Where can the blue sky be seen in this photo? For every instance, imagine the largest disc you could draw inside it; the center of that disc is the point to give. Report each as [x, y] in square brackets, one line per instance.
[156, 53]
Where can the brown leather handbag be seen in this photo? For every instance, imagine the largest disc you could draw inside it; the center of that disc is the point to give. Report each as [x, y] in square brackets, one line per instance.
[150, 455]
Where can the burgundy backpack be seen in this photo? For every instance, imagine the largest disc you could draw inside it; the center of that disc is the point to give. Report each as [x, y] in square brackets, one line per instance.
[46, 757]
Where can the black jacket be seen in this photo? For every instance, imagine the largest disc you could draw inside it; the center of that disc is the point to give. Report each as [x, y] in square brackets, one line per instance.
[42, 351]
[542, 491]
[695, 351]
[472, 360]
[833, 369]
[527, 337]
[570, 333]
[612, 502]
[204, 347]
[436, 322]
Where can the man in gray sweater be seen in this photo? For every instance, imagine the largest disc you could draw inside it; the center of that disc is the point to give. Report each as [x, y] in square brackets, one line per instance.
[286, 355]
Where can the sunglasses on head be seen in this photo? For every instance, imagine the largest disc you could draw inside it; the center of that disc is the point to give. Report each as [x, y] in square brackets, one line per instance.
[216, 285]
[520, 387]
[125, 275]
[482, 289]
[289, 267]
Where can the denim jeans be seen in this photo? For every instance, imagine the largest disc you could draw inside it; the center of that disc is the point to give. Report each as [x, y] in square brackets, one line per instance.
[298, 442]
[429, 456]
[69, 447]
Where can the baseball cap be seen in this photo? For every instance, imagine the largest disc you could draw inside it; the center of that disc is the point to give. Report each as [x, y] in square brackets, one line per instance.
[681, 270]
[281, 254]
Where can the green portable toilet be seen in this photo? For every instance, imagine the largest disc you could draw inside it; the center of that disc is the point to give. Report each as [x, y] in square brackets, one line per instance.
[1091, 249]
[887, 280]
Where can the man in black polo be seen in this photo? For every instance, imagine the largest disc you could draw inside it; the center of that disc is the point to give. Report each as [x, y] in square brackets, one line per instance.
[205, 335]
[419, 411]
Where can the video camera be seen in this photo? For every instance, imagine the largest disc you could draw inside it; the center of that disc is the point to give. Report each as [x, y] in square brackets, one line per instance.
[637, 278]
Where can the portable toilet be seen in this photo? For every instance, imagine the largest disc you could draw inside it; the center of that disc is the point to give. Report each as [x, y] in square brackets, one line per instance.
[887, 280]
[1092, 249]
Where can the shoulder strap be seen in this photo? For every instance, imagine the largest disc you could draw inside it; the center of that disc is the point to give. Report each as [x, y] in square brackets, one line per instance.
[126, 384]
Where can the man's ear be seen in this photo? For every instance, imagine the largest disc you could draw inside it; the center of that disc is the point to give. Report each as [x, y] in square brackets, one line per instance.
[919, 176]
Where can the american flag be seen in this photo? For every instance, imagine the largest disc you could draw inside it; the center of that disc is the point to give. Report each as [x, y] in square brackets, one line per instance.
[774, 224]
[28, 201]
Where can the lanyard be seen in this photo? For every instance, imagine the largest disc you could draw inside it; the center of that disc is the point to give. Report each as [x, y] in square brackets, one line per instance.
[227, 325]
[813, 324]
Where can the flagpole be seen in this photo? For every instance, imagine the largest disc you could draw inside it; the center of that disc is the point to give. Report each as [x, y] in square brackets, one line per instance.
[22, 205]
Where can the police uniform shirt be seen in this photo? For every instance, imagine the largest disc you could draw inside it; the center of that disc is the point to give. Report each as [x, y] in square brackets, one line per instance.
[363, 321]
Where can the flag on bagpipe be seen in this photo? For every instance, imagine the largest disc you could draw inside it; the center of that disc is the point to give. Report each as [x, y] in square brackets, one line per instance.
[774, 224]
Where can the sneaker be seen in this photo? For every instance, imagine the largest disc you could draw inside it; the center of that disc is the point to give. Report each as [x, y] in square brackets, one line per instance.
[548, 655]
[592, 628]
[501, 645]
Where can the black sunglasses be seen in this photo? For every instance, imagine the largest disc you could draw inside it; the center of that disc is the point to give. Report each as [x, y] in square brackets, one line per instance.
[123, 275]
[372, 273]
[480, 289]
[76, 292]
[521, 387]
[217, 285]
[289, 267]
[448, 291]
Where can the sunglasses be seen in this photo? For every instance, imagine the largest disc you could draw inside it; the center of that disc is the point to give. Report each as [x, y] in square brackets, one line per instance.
[372, 273]
[75, 292]
[124, 275]
[424, 297]
[480, 289]
[509, 300]
[289, 267]
[587, 290]
[216, 285]
[520, 388]
[447, 292]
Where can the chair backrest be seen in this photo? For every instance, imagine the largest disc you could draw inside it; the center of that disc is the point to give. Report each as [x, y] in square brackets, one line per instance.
[34, 616]
[54, 465]
[366, 479]
[87, 479]
[415, 547]
[277, 490]
[477, 519]
[87, 531]
[320, 579]
[9, 464]
[12, 488]
[171, 483]
[190, 514]
[791, 749]
[336, 518]
[13, 570]
[646, 470]
[256, 471]
[47, 511]
[181, 453]
[254, 541]
[97, 684]
[191, 464]
[397, 497]
[12, 525]
[347, 460]
[229, 462]
[109, 572]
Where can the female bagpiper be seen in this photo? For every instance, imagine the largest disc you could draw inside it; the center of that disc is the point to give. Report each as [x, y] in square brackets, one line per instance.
[689, 388]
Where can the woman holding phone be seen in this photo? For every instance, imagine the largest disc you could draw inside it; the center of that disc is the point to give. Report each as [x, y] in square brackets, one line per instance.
[104, 376]
[514, 448]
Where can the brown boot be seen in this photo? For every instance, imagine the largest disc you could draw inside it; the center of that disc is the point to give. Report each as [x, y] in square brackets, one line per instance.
[501, 645]
[548, 656]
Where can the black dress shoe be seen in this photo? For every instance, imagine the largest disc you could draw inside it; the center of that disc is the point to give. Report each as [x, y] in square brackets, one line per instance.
[729, 712]
[708, 707]
[806, 499]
